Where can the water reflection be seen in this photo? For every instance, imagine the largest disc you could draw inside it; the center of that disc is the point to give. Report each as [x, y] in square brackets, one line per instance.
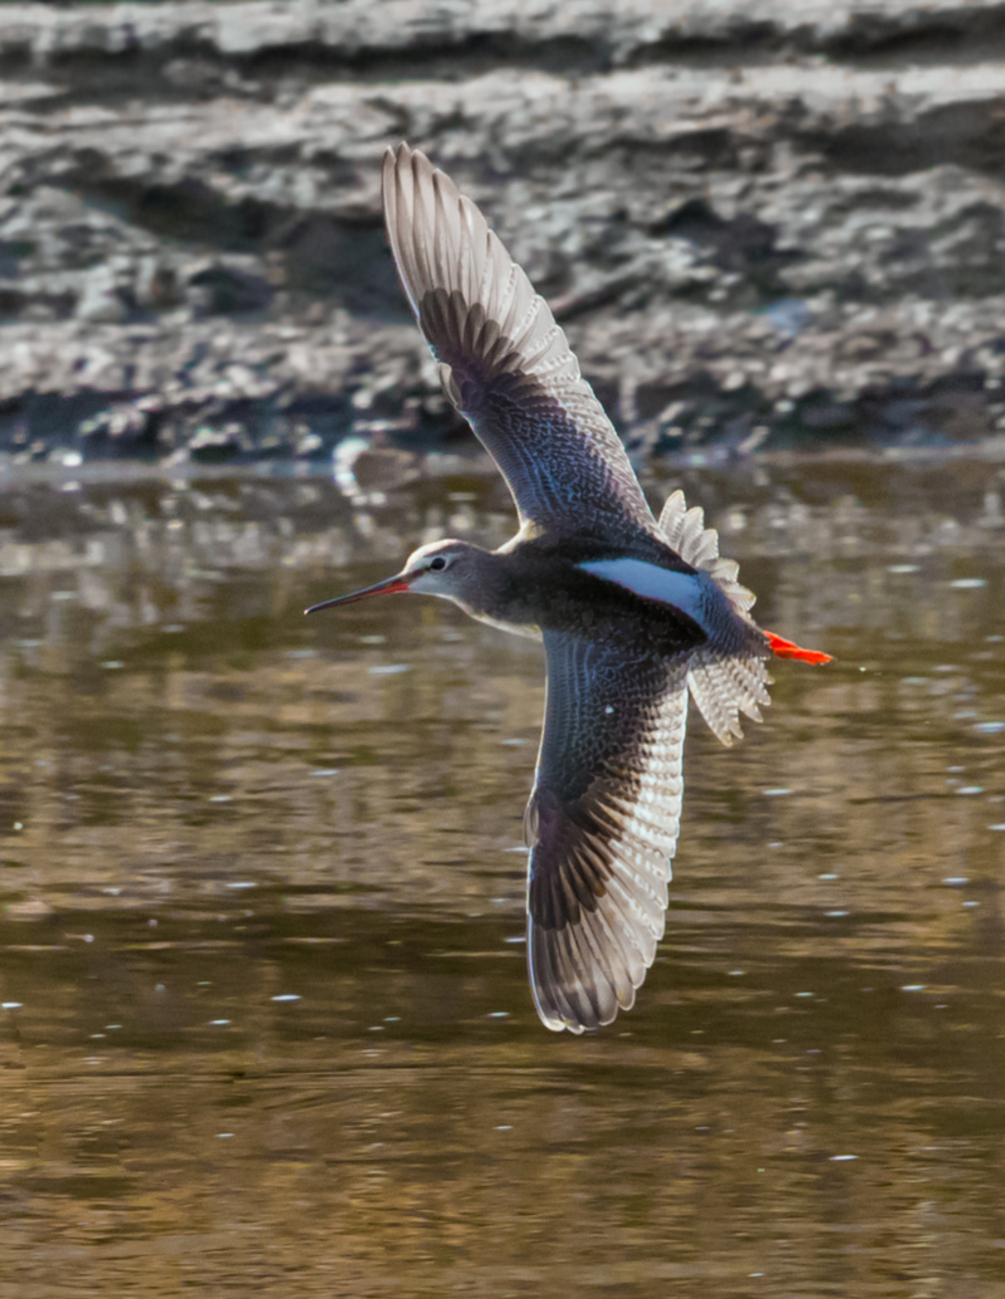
[266, 1017]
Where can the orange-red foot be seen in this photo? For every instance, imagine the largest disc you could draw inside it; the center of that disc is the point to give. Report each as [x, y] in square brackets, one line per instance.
[786, 649]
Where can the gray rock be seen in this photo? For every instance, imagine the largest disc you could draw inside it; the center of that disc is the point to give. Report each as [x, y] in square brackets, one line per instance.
[762, 224]
[99, 299]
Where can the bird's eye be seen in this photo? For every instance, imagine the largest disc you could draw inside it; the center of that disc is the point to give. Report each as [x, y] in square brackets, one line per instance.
[435, 565]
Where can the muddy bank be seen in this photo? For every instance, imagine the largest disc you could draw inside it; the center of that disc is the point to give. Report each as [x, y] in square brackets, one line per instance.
[765, 225]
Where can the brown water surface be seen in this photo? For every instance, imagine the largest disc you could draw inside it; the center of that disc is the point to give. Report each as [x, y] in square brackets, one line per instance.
[266, 1024]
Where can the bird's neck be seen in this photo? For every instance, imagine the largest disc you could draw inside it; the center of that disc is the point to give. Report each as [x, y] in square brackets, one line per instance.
[498, 592]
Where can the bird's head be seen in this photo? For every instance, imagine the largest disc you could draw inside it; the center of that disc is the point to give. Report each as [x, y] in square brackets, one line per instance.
[439, 568]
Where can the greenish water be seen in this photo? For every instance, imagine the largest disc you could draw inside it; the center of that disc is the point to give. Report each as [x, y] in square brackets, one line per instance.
[266, 1025]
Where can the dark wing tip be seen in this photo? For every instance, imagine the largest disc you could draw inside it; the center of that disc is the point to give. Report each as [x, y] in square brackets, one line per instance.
[582, 974]
[475, 306]
[597, 899]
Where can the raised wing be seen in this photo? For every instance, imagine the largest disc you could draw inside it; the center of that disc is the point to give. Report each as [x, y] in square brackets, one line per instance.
[602, 822]
[504, 361]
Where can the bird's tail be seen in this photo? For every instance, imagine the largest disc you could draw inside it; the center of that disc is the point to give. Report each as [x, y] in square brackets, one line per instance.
[729, 678]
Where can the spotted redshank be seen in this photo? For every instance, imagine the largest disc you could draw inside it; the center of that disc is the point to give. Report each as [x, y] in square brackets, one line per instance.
[635, 613]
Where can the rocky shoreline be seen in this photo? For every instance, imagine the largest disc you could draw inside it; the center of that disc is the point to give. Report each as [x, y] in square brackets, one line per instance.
[763, 226]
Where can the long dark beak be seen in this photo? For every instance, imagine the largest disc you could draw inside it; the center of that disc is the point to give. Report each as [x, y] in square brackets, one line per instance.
[389, 586]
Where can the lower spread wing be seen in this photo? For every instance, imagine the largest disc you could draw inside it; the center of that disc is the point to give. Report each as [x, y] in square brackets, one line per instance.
[602, 822]
[504, 361]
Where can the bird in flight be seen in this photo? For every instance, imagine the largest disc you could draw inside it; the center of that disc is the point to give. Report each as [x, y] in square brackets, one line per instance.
[636, 613]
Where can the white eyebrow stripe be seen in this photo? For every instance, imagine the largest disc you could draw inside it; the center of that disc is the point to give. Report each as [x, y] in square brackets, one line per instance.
[684, 591]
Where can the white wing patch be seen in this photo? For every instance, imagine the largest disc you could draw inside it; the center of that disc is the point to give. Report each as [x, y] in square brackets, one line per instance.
[684, 591]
